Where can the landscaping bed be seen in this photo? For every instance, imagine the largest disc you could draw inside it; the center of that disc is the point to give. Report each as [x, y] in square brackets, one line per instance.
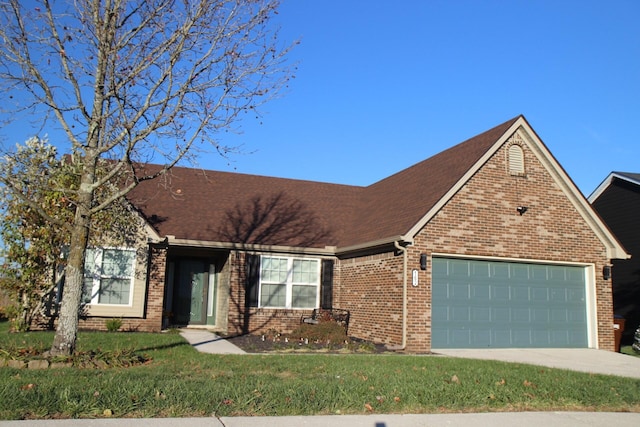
[252, 343]
[326, 336]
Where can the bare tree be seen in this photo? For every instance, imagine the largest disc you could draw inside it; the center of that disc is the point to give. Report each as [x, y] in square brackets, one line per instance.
[132, 82]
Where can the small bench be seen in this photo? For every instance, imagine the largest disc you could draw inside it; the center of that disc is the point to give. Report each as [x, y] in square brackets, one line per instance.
[328, 314]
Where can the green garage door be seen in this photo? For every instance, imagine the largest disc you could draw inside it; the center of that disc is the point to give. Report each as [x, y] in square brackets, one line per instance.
[491, 304]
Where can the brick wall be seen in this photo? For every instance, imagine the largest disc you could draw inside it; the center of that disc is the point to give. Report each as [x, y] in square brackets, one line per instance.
[480, 220]
[371, 289]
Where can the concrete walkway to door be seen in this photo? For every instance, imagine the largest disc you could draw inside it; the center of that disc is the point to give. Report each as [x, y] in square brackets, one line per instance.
[575, 359]
[208, 342]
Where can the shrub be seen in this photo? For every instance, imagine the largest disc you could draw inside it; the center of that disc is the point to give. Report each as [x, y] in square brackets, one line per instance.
[113, 325]
[636, 341]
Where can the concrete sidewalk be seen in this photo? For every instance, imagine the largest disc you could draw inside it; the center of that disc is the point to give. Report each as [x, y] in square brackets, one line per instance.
[208, 342]
[490, 419]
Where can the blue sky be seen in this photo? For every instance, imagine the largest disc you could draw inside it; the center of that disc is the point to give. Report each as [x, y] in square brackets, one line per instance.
[383, 85]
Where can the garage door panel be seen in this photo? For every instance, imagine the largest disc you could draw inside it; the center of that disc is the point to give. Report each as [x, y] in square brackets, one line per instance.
[501, 315]
[459, 291]
[520, 294]
[479, 337]
[479, 304]
[481, 293]
[520, 315]
[460, 314]
[520, 338]
[540, 315]
[459, 336]
[500, 338]
[500, 292]
[481, 314]
[458, 268]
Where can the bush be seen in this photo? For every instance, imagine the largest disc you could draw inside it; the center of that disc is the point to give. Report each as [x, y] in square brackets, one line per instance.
[636, 341]
[113, 325]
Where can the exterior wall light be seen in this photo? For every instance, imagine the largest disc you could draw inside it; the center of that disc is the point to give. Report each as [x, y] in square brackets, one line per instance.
[423, 261]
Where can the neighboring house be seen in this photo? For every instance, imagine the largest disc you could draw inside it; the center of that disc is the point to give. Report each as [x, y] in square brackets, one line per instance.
[617, 200]
[487, 244]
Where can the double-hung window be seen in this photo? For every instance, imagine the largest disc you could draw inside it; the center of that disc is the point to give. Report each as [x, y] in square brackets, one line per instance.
[289, 282]
[109, 276]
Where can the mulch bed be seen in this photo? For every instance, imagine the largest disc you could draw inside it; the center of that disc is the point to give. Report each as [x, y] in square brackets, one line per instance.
[258, 344]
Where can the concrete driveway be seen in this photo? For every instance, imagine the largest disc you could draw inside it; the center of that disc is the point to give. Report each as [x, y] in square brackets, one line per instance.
[575, 359]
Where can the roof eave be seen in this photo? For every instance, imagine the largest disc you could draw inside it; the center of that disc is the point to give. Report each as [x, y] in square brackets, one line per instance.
[206, 244]
[374, 244]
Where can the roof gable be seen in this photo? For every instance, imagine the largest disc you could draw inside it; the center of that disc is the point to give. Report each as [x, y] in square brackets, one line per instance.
[632, 178]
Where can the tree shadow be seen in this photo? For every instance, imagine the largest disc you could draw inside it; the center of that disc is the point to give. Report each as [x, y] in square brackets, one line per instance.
[277, 219]
[274, 220]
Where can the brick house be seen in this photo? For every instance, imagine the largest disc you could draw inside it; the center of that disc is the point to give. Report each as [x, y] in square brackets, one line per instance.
[617, 201]
[486, 244]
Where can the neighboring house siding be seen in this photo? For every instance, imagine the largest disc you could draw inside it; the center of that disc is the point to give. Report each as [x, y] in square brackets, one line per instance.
[619, 205]
[481, 220]
[371, 289]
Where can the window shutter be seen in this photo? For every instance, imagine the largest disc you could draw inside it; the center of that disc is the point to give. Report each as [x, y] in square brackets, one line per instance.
[326, 284]
[253, 278]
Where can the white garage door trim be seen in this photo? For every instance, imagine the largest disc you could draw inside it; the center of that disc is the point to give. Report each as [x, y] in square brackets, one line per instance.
[589, 275]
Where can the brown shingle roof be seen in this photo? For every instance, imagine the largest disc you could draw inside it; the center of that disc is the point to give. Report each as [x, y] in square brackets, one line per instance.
[238, 208]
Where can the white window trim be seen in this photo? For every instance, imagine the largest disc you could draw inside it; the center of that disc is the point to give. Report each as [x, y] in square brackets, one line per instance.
[289, 283]
[97, 278]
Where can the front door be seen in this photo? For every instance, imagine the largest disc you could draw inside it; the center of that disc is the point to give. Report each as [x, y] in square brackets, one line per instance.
[190, 290]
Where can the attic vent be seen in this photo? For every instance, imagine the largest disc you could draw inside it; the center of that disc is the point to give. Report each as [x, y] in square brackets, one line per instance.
[516, 160]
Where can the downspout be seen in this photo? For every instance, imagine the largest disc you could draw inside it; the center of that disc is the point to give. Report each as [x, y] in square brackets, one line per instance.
[404, 297]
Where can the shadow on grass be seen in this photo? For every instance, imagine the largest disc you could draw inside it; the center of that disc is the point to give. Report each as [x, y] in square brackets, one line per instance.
[165, 346]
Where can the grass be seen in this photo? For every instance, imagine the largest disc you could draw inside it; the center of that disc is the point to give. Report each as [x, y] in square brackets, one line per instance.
[180, 382]
[626, 349]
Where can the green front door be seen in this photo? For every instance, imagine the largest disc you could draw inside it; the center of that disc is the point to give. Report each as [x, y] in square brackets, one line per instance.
[493, 304]
[190, 292]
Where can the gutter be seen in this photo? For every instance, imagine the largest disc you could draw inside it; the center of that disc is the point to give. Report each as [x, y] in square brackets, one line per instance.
[404, 297]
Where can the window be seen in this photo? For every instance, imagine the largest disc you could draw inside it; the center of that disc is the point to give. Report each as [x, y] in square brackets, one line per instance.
[289, 282]
[108, 276]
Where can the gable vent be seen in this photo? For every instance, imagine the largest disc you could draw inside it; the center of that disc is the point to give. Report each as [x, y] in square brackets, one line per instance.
[516, 160]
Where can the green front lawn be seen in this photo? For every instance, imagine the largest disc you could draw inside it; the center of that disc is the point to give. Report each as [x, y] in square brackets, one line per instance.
[178, 381]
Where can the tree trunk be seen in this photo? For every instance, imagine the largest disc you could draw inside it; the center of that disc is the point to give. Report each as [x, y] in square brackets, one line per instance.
[64, 342]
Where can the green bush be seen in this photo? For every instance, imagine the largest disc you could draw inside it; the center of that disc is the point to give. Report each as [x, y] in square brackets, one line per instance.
[113, 325]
